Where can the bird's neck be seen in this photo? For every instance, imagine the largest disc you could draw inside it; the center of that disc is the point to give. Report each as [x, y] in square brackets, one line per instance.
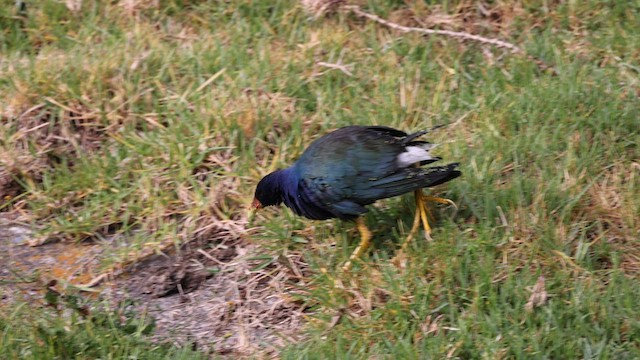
[288, 182]
[299, 198]
[284, 184]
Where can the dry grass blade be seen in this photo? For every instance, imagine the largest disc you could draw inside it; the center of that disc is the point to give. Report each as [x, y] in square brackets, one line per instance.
[318, 8]
[73, 5]
[343, 68]
[454, 34]
[538, 295]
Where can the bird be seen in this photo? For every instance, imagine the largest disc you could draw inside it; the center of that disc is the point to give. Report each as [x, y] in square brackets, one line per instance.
[342, 172]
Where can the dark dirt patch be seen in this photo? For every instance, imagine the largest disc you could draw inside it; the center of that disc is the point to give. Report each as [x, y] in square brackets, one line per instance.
[222, 297]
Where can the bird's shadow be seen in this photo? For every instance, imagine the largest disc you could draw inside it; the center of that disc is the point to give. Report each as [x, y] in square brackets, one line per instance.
[391, 224]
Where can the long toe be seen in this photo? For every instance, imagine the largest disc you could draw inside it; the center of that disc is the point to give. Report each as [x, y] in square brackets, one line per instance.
[439, 200]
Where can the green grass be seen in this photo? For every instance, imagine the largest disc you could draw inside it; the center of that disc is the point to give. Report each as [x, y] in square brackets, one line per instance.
[133, 145]
[80, 333]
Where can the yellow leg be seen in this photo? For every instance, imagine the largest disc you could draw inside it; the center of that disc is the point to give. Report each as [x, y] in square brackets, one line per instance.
[423, 214]
[365, 239]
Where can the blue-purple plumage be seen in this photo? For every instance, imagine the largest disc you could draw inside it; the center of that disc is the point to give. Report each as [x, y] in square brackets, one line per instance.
[343, 171]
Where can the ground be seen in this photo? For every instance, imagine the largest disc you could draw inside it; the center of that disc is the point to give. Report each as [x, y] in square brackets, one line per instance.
[133, 133]
[216, 294]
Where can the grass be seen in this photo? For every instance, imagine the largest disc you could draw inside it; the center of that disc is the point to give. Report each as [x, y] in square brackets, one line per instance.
[80, 333]
[145, 123]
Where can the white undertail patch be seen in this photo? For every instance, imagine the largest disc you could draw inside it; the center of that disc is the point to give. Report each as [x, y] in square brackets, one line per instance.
[415, 154]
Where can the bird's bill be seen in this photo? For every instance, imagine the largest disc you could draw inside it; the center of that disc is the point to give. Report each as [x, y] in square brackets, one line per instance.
[255, 205]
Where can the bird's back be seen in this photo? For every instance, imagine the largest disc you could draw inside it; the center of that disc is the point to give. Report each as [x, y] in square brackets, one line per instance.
[354, 166]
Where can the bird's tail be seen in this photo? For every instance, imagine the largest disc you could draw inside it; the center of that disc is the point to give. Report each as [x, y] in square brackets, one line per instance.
[437, 175]
[412, 178]
[411, 137]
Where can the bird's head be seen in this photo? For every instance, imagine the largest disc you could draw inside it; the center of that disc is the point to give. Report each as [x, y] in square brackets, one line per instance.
[268, 192]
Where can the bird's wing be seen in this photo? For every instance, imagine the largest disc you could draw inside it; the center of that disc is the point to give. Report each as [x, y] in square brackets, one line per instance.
[359, 165]
[352, 153]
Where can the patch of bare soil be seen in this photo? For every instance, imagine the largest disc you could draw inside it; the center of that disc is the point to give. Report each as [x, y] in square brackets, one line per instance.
[221, 297]
[218, 294]
[24, 270]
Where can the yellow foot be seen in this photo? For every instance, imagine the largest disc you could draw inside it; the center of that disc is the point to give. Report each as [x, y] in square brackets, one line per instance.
[422, 215]
[365, 239]
[438, 200]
